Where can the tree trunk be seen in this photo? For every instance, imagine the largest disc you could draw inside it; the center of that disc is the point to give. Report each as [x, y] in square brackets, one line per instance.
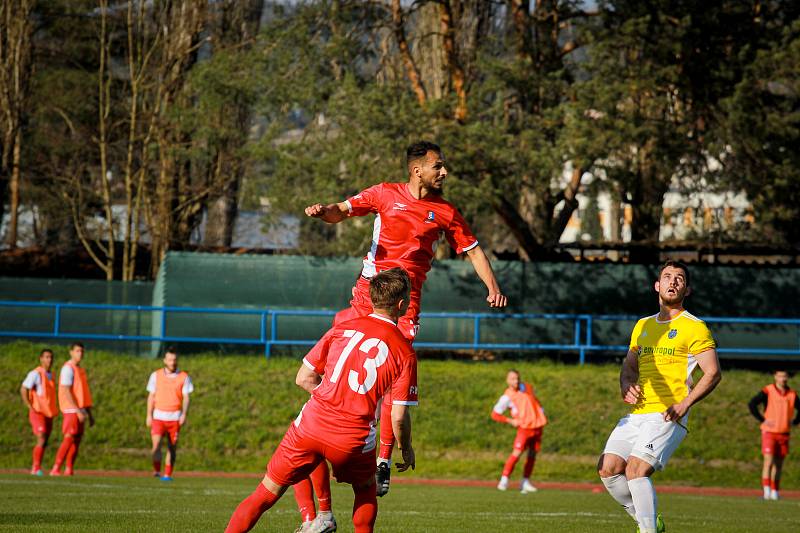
[13, 189]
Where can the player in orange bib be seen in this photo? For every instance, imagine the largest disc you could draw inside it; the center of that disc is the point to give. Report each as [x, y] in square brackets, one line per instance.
[348, 371]
[38, 393]
[528, 417]
[75, 402]
[167, 408]
[781, 403]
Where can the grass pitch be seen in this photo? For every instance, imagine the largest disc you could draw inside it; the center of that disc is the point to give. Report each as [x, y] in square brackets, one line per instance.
[110, 504]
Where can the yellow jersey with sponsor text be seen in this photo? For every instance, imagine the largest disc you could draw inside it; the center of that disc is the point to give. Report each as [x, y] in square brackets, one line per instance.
[666, 352]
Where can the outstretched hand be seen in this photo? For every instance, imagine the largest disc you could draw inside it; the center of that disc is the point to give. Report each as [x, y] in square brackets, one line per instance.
[316, 210]
[497, 300]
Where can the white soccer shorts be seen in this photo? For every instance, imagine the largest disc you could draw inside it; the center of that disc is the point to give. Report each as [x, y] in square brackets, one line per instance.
[648, 437]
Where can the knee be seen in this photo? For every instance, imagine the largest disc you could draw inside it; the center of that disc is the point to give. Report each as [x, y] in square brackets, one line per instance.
[610, 466]
[637, 470]
[516, 453]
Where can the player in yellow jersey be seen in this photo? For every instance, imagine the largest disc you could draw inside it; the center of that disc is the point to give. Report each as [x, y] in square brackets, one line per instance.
[656, 378]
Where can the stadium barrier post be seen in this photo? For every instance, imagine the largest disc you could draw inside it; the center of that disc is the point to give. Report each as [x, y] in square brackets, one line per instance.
[581, 351]
[57, 321]
[476, 331]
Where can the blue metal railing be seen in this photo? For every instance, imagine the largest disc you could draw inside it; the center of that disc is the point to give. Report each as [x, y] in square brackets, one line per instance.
[583, 327]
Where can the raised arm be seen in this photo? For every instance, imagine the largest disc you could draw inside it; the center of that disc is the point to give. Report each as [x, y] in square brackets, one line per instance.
[330, 213]
[401, 426]
[484, 270]
[712, 375]
[755, 401]
[629, 378]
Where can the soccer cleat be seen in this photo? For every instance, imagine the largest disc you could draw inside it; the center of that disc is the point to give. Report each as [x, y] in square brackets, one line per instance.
[527, 487]
[68, 472]
[166, 478]
[305, 527]
[55, 471]
[503, 485]
[773, 495]
[37, 472]
[382, 475]
[156, 474]
[323, 523]
[660, 527]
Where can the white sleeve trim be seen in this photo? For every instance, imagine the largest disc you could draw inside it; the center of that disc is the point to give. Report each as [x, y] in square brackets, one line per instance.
[309, 365]
[349, 206]
[470, 247]
[188, 386]
[401, 402]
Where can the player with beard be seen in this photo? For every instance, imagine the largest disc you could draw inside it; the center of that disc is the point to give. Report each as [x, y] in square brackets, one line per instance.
[410, 217]
[656, 378]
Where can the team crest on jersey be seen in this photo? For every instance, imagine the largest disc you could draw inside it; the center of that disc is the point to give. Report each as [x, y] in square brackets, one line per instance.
[430, 216]
[672, 333]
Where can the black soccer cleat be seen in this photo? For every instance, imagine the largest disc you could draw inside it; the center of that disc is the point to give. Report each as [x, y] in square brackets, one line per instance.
[382, 475]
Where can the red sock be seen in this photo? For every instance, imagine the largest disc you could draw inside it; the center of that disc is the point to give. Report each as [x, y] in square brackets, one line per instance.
[73, 452]
[765, 482]
[529, 462]
[775, 484]
[61, 454]
[156, 466]
[38, 453]
[168, 470]
[365, 509]
[304, 497]
[510, 464]
[250, 510]
[321, 478]
[387, 434]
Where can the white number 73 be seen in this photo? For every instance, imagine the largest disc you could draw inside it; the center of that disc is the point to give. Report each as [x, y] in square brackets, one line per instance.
[370, 365]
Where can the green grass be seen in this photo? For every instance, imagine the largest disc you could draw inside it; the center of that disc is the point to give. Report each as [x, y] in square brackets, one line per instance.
[109, 504]
[243, 405]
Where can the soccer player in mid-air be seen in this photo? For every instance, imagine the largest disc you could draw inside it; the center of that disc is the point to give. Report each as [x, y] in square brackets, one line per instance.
[528, 417]
[781, 402]
[410, 217]
[656, 378]
[38, 393]
[347, 372]
[75, 402]
[167, 408]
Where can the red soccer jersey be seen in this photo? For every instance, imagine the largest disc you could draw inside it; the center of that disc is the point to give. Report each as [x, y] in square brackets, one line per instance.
[406, 229]
[360, 360]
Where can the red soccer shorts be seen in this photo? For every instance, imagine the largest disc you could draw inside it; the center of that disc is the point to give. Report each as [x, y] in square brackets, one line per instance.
[161, 427]
[361, 305]
[774, 443]
[528, 438]
[70, 424]
[40, 424]
[298, 455]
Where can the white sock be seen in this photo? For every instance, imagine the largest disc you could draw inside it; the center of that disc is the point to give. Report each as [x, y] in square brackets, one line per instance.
[617, 486]
[525, 480]
[767, 491]
[388, 462]
[504, 479]
[644, 499]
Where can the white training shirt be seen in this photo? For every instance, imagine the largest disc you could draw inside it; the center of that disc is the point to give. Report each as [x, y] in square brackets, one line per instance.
[168, 416]
[32, 380]
[505, 403]
[67, 378]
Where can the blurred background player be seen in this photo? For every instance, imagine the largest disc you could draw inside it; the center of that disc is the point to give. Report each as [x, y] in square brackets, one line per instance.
[167, 408]
[75, 402]
[780, 404]
[347, 372]
[528, 417]
[656, 378]
[38, 393]
[410, 217]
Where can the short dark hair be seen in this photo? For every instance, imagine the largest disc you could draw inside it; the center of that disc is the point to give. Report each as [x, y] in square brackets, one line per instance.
[420, 149]
[675, 264]
[389, 287]
[76, 345]
[170, 349]
[46, 350]
[514, 370]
